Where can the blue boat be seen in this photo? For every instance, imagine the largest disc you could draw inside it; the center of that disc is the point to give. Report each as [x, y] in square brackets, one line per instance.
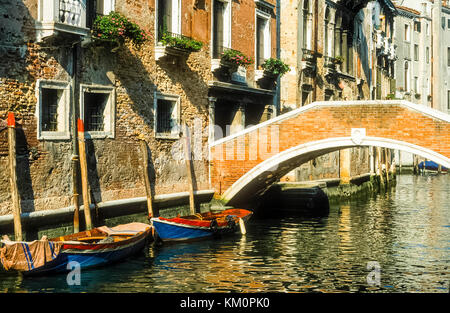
[97, 247]
[431, 166]
[199, 226]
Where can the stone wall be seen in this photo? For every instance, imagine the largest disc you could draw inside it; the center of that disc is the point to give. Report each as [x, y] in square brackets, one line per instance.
[114, 164]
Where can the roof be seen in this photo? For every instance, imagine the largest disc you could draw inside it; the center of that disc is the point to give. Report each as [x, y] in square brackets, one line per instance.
[403, 8]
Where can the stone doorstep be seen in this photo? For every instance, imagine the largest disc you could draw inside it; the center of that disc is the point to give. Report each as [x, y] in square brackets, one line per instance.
[109, 208]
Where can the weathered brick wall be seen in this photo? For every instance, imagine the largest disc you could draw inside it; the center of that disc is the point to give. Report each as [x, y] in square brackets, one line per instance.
[114, 165]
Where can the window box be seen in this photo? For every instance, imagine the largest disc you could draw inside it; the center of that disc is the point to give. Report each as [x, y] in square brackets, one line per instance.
[97, 110]
[52, 109]
[176, 45]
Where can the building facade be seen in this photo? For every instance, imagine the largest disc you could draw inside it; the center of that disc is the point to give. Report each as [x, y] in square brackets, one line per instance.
[337, 51]
[413, 67]
[53, 70]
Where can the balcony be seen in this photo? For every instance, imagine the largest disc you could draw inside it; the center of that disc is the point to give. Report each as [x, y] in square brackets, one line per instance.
[62, 19]
[309, 61]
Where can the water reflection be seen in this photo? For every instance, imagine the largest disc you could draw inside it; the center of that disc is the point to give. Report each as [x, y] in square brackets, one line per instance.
[406, 231]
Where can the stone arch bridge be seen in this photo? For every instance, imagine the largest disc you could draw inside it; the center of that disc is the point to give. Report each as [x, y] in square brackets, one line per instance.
[247, 163]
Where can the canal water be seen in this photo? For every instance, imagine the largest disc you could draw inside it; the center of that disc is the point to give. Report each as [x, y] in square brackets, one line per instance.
[397, 241]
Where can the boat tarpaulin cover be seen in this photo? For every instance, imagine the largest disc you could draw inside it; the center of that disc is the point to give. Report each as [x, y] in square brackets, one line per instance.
[26, 256]
[125, 229]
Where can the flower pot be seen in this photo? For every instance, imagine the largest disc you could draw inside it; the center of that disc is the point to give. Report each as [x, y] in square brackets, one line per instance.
[230, 66]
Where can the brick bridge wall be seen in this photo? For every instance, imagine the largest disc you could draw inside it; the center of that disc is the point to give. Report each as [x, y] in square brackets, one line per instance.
[234, 156]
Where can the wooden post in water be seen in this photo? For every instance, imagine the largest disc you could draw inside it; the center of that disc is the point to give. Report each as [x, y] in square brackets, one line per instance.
[187, 155]
[380, 169]
[148, 189]
[13, 177]
[386, 164]
[75, 195]
[84, 177]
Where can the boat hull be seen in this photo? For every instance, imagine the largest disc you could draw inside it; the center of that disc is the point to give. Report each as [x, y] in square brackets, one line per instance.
[183, 229]
[90, 256]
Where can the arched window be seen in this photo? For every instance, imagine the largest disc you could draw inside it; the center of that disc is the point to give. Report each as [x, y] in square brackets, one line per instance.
[307, 25]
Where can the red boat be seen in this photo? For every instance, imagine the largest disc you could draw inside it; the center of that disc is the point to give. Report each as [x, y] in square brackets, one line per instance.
[200, 226]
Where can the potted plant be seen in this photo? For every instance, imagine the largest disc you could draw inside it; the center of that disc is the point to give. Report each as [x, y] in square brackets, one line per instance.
[274, 68]
[232, 59]
[181, 42]
[115, 28]
[338, 59]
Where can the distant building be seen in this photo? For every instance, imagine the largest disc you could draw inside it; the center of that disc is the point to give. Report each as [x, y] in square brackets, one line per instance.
[435, 14]
[414, 52]
[337, 50]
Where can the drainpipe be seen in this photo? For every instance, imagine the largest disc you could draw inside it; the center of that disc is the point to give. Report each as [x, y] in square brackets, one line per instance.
[277, 100]
[315, 38]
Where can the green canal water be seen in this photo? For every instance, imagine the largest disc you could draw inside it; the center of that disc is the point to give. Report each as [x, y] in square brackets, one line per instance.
[405, 231]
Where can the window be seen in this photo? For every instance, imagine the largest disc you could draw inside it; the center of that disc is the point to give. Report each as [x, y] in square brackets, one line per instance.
[221, 30]
[262, 37]
[448, 23]
[168, 17]
[53, 109]
[417, 26]
[448, 56]
[428, 54]
[416, 52]
[97, 110]
[448, 99]
[307, 25]
[407, 33]
[416, 84]
[167, 116]
[326, 33]
[406, 76]
[99, 7]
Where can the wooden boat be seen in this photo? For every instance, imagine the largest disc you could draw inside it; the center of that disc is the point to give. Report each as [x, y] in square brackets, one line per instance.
[200, 226]
[96, 247]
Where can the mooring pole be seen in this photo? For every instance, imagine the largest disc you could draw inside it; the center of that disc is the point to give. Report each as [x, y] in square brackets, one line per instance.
[75, 159]
[187, 155]
[13, 176]
[148, 189]
[84, 175]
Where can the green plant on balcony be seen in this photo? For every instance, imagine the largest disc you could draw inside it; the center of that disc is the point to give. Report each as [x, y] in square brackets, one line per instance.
[116, 28]
[181, 42]
[338, 59]
[275, 67]
[235, 58]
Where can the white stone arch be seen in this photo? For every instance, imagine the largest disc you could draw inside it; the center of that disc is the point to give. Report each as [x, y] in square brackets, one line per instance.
[272, 166]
